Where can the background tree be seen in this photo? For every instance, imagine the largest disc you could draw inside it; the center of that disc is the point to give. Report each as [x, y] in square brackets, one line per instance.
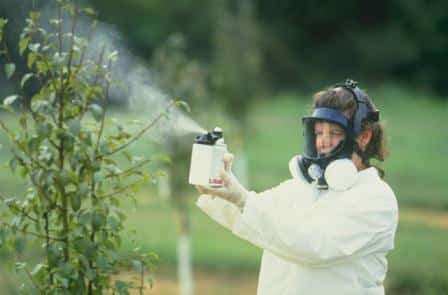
[179, 76]
[236, 74]
[306, 44]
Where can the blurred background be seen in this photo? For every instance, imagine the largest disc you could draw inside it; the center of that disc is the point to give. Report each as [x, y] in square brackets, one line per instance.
[251, 67]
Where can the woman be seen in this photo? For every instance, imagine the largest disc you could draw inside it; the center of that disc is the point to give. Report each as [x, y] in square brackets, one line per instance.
[328, 229]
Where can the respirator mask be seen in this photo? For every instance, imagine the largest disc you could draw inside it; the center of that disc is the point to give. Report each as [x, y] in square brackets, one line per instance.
[334, 169]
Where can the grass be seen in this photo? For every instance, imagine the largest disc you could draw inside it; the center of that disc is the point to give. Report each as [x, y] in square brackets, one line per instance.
[415, 170]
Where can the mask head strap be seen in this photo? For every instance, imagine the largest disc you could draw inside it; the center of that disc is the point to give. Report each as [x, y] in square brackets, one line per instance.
[364, 109]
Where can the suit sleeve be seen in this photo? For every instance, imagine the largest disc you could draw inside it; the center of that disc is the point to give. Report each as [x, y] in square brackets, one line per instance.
[226, 213]
[320, 233]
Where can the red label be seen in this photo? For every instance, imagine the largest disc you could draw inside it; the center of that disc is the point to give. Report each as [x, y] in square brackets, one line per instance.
[215, 181]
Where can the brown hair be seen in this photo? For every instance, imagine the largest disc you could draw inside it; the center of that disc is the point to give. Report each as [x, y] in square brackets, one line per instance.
[342, 100]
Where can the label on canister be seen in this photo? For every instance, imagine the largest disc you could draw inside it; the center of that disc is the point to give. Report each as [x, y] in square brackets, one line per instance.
[206, 164]
[200, 165]
[217, 165]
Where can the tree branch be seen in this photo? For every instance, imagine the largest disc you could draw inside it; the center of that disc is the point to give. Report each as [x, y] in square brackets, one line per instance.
[3, 199]
[35, 284]
[83, 53]
[8, 132]
[129, 169]
[72, 43]
[31, 233]
[106, 97]
[95, 81]
[120, 190]
[143, 131]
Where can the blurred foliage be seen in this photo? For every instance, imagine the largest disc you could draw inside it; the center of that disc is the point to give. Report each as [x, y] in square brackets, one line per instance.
[236, 64]
[303, 43]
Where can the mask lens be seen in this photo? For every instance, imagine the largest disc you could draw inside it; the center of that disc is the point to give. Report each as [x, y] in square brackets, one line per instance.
[322, 138]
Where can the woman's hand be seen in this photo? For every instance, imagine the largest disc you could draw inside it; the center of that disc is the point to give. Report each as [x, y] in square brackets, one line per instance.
[231, 190]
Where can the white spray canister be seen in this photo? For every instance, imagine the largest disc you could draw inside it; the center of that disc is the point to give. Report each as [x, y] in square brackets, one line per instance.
[207, 159]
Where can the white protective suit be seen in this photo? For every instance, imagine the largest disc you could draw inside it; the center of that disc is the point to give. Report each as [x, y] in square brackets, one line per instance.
[316, 242]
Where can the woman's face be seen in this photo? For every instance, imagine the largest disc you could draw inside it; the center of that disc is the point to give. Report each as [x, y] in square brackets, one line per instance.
[328, 136]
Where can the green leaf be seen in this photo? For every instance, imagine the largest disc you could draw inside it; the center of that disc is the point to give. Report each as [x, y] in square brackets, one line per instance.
[19, 245]
[105, 148]
[113, 223]
[23, 44]
[3, 22]
[97, 111]
[37, 268]
[98, 220]
[44, 130]
[89, 11]
[38, 272]
[113, 56]
[20, 265]
[74, 126]
[25, 78]
[53, 256]
[23, 121]
[3, 236]
[184, 105]
[90, 274]
[55, 21]
[121, 287]
[13, 164]
[83, 189]
[10, 70]
[99, 177]
[103, 264]
[127, 155]
[10, 100]
[34, 47]
[35, 16]
[75, 200]
[31, 59]
[70, 8]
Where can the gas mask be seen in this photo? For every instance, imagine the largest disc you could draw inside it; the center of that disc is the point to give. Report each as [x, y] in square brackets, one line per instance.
[334, 169]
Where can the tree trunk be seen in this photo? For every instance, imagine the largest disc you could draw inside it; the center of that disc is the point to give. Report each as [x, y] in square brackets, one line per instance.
[163, 186]
[184, 267]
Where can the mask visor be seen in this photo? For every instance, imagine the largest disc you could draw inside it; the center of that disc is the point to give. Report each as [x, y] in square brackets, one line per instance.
[319, 115]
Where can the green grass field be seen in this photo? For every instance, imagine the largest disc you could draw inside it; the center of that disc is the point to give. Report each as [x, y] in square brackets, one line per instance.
[415, 170]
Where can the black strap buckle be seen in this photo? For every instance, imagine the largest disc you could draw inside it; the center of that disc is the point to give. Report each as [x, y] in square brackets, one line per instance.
[349, 83]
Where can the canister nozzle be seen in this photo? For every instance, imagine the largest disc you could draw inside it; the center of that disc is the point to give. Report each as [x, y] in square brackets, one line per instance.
[210, 138]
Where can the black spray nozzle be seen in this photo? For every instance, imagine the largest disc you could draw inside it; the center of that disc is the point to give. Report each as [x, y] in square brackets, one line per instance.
[209, 138]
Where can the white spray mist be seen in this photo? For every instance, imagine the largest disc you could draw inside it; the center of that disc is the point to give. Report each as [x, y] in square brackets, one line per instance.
[133, 79]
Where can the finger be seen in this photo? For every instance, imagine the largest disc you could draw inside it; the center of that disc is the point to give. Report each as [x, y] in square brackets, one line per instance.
[210, 191]
[228, 160]
[225, 177]
[202, 189]
[207, 196]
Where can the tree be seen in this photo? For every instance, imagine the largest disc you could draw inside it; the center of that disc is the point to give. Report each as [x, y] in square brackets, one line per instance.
[69, 155]
[180, 77]
[237, 78]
